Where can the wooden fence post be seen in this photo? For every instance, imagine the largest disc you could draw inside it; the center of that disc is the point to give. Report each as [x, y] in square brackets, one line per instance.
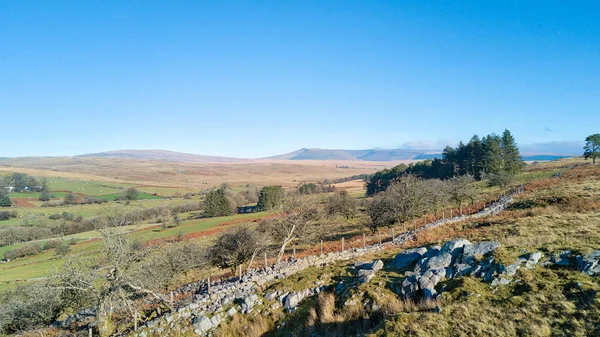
[321, 247]
[364, 241]
[208, 284]
[294, 251]
[393, 236]
[380, 237]
[342, 244]
[90, 332]
[266, 262]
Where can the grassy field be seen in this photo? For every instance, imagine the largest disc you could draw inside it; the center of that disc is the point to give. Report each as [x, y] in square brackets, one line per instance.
[190, 176]
[46, 263]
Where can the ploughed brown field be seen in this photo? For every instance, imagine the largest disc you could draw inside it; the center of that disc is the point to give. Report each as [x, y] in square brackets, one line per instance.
[170, 174]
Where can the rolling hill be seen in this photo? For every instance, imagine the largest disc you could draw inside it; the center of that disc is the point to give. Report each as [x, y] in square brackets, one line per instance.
[163, 155]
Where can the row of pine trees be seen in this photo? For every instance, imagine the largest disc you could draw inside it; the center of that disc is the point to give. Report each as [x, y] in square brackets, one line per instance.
[492, 154]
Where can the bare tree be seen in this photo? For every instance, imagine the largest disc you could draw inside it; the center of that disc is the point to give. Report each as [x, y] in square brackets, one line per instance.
[404, 200]
[299, 221]
[462, 189]
[341, 203]
[119, 286]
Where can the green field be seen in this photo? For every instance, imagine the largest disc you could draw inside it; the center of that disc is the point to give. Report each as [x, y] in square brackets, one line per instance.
[46, 263]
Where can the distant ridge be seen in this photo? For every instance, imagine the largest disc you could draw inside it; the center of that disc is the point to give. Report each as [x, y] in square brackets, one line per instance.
[314, 154]
[366, 155]
[163, 155]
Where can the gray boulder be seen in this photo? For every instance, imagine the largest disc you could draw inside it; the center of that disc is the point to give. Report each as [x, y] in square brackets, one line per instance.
[531, 259]
[409, 287]
[433, 251]
[407, 257]
[231, 312]
[362, 264]
[454, 245]
[377, 265]
[562, 259]
[292, 300]
[470, 252]
[271, 295]
[588, 264]
[441, 261]
[202, 325]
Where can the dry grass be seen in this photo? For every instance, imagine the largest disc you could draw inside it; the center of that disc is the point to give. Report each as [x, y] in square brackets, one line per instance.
[192, 175]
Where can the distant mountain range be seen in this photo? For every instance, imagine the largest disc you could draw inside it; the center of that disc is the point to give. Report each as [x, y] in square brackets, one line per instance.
[163, 155]
[310, 154]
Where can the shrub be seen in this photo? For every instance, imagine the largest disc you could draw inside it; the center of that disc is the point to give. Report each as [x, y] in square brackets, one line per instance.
[51, 244]
[6, 215]
[62, 249]
[235, 248]
[25, 250]
[29, 306]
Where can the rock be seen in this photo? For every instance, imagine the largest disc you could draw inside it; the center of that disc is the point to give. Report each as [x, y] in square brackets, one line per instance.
[364, 272]
[271, 295]
[511, 269]
[231, 312]
[429, 294]
[470, 252]
[202, 325]
[362, 264]
[377, 265]
[588, 264]
[453, 245]
[440, 261]
[433, 251]
[409, 287]
[462, 270]
[562, 259]
[292, 300]
[407, 257]
[366, 278]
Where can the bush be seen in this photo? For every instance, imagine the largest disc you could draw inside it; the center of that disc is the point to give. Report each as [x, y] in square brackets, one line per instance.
[51, 244]
[340, 203]
[235, 248]
[55, 216]
[5, 215]
[25, 250]
[501, 180]
[29, 306]
[62, 249]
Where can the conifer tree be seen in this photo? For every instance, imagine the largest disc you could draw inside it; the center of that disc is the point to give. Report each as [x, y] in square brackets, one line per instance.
[510, 154]
[492, 156]
[592, 147]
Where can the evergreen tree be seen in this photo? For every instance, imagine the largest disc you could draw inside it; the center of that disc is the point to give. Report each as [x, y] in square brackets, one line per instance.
[270, 197]
[510, 154]
[4, 198]
[492, 154]
[475, 156]
[216, 204]
[592, 147]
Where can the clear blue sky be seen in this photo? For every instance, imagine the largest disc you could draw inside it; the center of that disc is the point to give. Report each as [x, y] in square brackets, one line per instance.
[256, 78]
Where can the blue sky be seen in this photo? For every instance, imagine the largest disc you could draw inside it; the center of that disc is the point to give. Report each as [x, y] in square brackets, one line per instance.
[257, 78]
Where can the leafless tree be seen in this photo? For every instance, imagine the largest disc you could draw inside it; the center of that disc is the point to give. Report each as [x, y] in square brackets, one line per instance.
[341, 203]
[299, 222]
[461, 189]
